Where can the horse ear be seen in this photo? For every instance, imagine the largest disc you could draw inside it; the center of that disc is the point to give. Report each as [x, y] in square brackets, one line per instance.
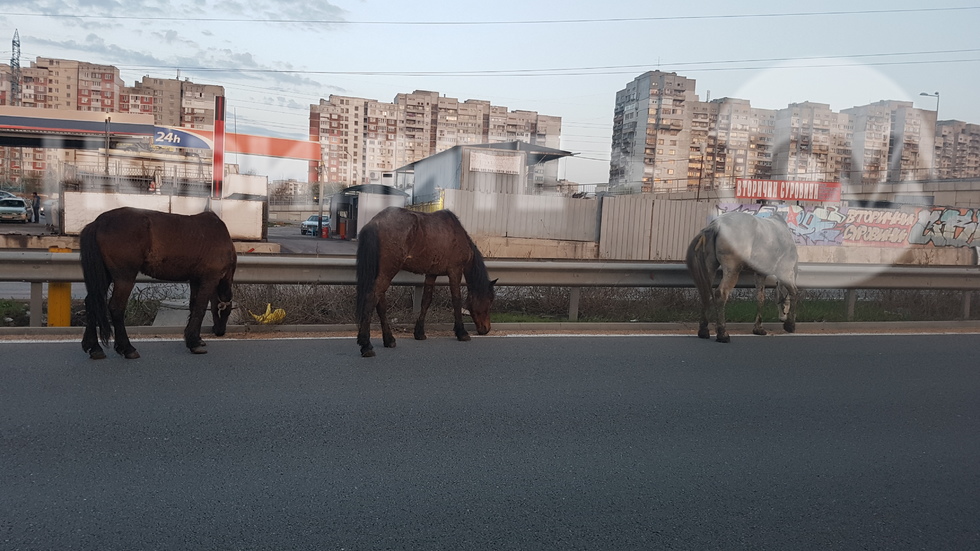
[494, 282]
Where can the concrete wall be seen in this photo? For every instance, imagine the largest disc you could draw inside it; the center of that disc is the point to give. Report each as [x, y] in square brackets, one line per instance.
[243, 218]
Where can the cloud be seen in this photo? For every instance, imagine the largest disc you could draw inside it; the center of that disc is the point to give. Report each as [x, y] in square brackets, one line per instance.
[296, 10]
[96, 50]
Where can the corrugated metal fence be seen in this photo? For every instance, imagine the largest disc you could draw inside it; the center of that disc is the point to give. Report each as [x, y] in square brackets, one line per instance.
[637, 227]
[527, 216]
[633, 227]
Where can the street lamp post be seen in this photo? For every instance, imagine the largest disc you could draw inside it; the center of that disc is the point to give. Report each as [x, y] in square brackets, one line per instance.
[933, 95]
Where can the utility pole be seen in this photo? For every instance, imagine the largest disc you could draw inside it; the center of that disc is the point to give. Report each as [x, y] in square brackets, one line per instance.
[107, 121]
[15, 70]
[15, 91]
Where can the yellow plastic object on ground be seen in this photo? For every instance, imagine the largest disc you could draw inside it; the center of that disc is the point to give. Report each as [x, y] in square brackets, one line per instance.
[270, 315]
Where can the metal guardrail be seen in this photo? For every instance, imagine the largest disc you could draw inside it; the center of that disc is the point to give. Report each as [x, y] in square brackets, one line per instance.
[43, 267]
[40, 267]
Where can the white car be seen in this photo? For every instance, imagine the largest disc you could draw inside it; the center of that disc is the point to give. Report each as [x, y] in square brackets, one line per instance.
[14, 209]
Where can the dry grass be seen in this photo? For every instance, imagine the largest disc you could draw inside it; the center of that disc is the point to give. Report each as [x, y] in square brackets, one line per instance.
[334, 304]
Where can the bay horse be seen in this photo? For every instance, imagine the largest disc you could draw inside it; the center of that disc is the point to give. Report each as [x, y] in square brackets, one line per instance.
[123, 242]
[738, 241]
[434, 244]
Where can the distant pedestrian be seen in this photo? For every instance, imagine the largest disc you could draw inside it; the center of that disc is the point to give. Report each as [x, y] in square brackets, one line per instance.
[36, 207]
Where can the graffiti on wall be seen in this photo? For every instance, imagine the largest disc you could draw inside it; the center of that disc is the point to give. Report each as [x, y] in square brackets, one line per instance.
[870, 227]
[946, 227]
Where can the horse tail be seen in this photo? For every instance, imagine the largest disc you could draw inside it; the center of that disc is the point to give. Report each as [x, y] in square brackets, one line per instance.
[97, 280]
[697, 260]
[368, 252]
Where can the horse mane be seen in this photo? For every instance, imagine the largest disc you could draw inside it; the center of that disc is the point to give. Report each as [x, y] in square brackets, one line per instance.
[477, 277]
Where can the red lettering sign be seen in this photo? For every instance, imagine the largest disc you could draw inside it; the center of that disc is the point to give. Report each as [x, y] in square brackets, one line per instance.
[784, 190]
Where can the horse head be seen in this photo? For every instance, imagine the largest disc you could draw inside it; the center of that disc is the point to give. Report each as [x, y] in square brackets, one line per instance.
[478, 304]
[220, 311]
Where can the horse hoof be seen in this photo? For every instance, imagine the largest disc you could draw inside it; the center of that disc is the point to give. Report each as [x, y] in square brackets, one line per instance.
[724, 338]
[704, 334]
[96, 355]
[199, 350]
[463, 338]
[760, 331]
[789, 327]
[367, 353]
[390, 344]
[132, 355]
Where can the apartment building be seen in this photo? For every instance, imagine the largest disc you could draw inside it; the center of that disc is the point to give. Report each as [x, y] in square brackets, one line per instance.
[870, 145]
[137, 101]
[957, 150]
[812, 143]
[362, 139]
[729, 139]
[912, 154]
[665, 139]
[651, 139]
[51, 83]
[338, 124]
[417, 136]
[70, 84]
[471, 125]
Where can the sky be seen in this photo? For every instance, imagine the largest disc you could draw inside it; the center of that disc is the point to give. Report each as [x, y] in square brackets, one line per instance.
[565, 58]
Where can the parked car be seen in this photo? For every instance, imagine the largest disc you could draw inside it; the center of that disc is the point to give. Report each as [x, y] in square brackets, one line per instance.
[310, 225]
[4, 194]
[14, 209]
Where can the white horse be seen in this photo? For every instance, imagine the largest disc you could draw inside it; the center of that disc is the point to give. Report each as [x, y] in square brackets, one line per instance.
[738, 241]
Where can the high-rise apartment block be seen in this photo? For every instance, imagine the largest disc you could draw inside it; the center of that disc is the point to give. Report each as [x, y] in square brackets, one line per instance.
[892, 142]
[361, 139]
[666, 139]
[652, 125]
[730, 138]
[957, 150]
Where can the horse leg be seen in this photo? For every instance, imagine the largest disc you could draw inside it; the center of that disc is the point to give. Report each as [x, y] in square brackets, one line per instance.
[386, 335]
[90, 340]
[454, 290]
[221, 307]
[364, 332]
[788, 311]
[121, 289]
[430, 284]
[375, 300]
[706, 303]
[728, 280]
[760, 292]
[200, 297]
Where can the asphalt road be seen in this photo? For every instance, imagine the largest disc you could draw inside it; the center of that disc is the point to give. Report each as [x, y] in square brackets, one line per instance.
[291, 241]
[642, 442]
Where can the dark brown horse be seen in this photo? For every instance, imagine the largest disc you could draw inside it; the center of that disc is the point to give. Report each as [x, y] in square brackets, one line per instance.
[434, 244]
[738, 241]
[121, 243]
